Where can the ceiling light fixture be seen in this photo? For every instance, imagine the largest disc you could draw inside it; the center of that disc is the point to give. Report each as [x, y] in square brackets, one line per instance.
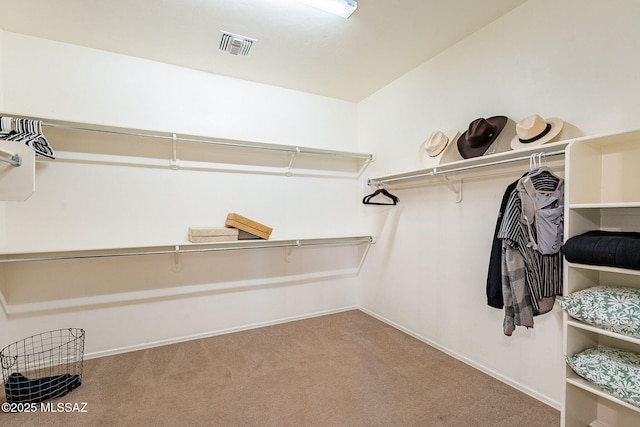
[342, 8]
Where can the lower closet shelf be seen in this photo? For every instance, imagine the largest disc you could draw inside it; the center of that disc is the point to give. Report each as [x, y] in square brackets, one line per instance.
[600, 268]
[581, 325]
[181, 249]
[587, 386]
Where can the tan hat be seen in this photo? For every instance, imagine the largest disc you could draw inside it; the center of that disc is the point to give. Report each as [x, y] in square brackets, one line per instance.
[435, 143]
[534, 130]
[434, 147]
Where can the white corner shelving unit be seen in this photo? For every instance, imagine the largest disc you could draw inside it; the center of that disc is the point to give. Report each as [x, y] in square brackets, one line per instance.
[602, 193]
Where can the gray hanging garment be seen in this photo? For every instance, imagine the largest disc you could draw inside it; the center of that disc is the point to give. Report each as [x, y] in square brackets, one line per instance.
[542, 213]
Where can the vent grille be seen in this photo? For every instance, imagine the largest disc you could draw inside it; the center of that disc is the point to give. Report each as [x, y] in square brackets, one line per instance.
[235, 44]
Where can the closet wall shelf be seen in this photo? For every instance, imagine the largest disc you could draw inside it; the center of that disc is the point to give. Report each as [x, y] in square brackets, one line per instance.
[467, 165]
[614, 205]
[585, 385]
[183, 248]
[286, 157]
[580, 325]
[618, 270]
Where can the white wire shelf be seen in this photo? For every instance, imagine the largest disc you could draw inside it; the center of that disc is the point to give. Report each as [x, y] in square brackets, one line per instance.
[461, 166]
[75, 146]
[183, 248]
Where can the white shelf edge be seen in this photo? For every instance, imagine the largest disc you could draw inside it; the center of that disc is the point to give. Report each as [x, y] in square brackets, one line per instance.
[605, 138]
[478, 161]
[181, 137]
[607, 205]
[603, 268]
[179, 164]
[587, 386]
[178, 248]
[581, 325]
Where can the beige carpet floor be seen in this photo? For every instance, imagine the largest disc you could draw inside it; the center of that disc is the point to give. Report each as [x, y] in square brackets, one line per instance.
[345, 369]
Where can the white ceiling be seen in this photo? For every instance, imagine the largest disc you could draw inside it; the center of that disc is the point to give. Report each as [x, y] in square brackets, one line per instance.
[298, 47]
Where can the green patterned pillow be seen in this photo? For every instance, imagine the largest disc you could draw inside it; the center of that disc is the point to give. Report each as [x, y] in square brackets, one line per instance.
[615, 371]
[613, 308]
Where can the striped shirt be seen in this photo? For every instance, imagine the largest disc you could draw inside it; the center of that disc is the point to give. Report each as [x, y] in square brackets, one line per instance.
[543, 273]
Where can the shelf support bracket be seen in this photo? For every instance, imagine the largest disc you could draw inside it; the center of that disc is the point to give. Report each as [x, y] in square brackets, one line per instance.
[293, 155]
[452, 187]
[14, 160]
[289, 251]
[174, 158]
[176, 260]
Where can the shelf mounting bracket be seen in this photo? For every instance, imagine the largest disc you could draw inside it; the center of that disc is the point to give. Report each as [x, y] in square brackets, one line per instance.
[289, 251]
[293, 155]
[174, 158]
[452, 187]
[176, 267]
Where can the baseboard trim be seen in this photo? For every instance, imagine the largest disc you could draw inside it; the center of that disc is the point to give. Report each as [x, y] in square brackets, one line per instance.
[185, 338]
[520, 387]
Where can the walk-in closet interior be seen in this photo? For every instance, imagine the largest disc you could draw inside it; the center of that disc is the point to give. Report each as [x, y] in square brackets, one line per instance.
[120, 133]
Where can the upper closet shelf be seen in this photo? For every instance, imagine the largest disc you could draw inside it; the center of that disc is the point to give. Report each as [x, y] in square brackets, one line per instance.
[467, 165]
[79, 142]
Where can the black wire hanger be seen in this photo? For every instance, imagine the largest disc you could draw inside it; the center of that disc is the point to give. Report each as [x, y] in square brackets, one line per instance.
[367, 199]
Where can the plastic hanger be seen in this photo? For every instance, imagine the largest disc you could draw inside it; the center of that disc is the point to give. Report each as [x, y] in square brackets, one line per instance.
[537, 168]
[367, 199]
[5, 126]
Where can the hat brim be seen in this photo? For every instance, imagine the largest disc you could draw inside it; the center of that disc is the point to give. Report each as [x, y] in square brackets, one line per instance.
[467, 151]
[429, 161]
[556, 127]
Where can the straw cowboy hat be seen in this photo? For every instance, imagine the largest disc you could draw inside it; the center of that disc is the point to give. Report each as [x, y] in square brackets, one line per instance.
[433, 148]
[486, 136]
[534, 130]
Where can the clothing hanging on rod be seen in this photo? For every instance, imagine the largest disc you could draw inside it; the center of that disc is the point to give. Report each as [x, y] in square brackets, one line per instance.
[528, 279]
[542, 213]
[380, 191]
[28, 132]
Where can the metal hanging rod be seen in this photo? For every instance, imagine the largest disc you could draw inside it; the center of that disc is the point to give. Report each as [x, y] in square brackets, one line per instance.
[436, 171]
[290, 149]
[14, 160]
[178, 250]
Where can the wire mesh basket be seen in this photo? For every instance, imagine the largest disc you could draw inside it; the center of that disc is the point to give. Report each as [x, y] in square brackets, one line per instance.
[43, 366]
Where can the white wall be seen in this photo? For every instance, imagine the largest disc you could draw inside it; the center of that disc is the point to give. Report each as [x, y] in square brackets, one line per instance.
[573, 59]
[61, 81]
[126, 303]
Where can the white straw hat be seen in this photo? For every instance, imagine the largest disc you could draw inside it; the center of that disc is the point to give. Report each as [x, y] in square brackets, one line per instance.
[433, 148]
[534, 130]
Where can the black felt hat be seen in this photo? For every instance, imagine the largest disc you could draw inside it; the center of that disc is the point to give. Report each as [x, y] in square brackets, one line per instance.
[481, 134]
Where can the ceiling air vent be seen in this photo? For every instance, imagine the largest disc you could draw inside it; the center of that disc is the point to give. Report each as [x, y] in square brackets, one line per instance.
[235, 44]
